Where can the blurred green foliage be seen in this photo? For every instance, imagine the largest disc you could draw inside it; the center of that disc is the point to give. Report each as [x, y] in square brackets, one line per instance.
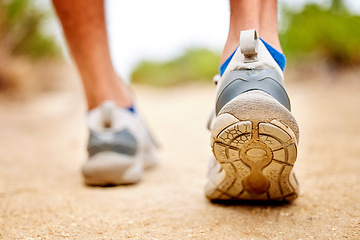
[331, 34]
[21, 32]
[195, 65]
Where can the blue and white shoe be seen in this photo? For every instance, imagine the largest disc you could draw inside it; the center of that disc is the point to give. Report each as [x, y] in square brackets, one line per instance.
[120, 146]
[254, 136]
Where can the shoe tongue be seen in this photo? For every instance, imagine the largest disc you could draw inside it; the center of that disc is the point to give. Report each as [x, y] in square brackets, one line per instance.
[107, 109]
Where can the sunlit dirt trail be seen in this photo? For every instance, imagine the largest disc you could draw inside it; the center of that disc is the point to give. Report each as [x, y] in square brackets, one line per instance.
[42, 149]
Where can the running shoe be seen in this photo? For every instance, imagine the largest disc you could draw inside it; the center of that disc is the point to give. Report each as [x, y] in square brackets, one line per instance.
[120, 147]
[254, 136]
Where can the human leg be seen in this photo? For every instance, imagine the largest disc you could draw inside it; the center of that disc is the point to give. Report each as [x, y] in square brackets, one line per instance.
[256, 14]
[84, 26]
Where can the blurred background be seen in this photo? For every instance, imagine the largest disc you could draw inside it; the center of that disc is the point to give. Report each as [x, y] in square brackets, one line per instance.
[174, 43]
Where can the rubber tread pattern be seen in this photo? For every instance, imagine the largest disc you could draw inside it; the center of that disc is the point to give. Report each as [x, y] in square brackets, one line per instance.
[258, 162]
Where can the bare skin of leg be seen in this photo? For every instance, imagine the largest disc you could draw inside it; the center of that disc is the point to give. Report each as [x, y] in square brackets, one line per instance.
[252, 14]
[84, 26]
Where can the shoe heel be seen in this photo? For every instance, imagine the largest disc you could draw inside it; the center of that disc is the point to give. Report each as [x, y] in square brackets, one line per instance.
[256, 150]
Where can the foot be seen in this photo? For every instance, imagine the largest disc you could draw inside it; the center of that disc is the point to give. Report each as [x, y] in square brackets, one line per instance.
[254, 136]
[119, 146]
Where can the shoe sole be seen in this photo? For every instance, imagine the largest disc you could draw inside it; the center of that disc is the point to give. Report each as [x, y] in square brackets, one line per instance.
[256, 147]
[109, 168]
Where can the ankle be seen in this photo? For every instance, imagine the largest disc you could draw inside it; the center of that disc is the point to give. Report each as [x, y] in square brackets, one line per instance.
[114, 90]
[277, 55]
[273, 41]
[120, 101]
[230, 46]
[234, 39]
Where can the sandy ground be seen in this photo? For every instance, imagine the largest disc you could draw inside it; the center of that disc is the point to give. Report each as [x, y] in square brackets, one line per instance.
[42, 195]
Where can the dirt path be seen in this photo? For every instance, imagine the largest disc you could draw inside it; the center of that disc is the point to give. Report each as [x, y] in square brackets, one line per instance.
[42, 195]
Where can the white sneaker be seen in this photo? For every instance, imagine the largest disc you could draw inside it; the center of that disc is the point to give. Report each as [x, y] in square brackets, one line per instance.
[119, 146]
[254, 136]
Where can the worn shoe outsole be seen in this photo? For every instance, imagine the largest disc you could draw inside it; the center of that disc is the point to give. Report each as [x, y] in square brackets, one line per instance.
[109, 168]
[254, 141]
